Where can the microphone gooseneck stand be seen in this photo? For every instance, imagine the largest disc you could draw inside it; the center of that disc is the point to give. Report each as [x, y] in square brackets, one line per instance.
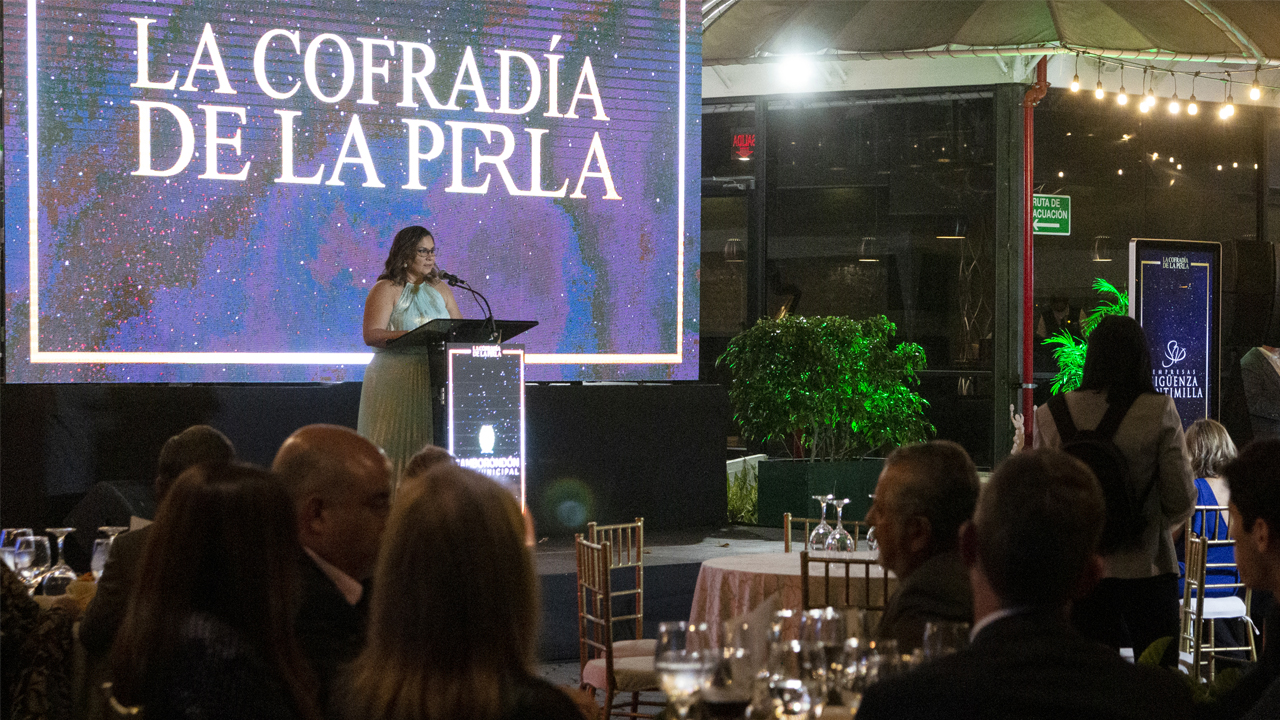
[460, 283]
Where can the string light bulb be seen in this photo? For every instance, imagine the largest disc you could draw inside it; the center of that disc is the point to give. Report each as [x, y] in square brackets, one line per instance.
[1099, 92]
[1192, 107]
[1174, 106]
[1123, 97]
[1255, 91]
[1230, 108]
[1075, 81]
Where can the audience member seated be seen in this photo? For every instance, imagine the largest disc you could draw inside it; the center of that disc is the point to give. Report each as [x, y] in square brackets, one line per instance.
[341, 489]
[196, 445]
[423, 462]
[453, 626]
[1210, 448]
[1031, 549]
[924, 494]
[1254, 481]
[209, 630]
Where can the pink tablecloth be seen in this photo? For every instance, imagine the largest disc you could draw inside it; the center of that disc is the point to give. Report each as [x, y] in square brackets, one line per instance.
[734, 585]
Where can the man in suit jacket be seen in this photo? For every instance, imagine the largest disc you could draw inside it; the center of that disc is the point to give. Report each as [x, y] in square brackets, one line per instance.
[196, 445]
[923, 495]
[341, 488]
[1260, 371]
[1254, 481]
[1031, 549]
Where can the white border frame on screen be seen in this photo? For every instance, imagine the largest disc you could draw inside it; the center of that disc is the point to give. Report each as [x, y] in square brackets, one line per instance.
[321, 358]
[470, 351]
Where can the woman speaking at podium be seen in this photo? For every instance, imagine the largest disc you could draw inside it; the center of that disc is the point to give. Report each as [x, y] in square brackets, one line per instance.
[395, 400]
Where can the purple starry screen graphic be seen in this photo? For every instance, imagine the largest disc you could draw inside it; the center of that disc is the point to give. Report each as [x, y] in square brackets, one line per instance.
[1175, 296]
[205, 192]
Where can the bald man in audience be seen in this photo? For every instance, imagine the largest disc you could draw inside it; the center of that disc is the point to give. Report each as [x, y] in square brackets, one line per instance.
[341, 489]
[924, 494]
[1031, 549]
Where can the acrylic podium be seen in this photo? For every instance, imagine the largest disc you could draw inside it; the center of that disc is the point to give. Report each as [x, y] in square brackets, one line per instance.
[477, 390]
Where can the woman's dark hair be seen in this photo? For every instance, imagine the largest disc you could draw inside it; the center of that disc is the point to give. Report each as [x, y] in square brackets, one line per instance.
[225, 544]
[452, 621]
[1118, 361]
[404, 249]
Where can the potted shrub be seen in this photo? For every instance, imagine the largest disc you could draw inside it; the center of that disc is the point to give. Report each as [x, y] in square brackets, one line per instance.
[831, 389]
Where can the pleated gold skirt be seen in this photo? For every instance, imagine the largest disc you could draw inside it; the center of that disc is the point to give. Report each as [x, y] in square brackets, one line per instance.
[395, 406]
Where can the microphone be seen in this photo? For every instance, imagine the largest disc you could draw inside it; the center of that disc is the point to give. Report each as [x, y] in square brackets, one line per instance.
[452, 279]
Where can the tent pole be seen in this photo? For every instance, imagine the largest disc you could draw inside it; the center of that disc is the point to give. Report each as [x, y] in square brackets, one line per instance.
[1034, 94]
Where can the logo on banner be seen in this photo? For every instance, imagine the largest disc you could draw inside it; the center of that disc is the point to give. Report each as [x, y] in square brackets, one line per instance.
[1174, 382]
[1173, 354]
[487, 439]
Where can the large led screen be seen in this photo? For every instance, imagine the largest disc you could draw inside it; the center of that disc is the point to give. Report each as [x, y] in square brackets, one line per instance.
[205, 192]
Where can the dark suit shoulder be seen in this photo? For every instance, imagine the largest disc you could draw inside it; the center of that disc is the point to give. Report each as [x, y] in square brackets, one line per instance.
[1018, 670]
[106, 610]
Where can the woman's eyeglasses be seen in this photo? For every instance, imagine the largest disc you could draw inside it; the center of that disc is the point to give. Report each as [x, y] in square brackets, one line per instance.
[424, 252]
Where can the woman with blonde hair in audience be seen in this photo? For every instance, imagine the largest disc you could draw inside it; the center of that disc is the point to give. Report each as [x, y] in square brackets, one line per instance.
[209, 629]
[1210, 448]
[454, 611]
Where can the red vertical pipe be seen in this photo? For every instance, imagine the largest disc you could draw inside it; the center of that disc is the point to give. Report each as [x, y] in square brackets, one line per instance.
[1034, 94]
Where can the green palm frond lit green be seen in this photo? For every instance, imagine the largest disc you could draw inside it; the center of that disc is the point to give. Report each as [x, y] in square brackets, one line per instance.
[1070, 350]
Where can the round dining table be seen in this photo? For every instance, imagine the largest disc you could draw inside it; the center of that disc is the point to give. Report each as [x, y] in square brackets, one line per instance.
[732, 586]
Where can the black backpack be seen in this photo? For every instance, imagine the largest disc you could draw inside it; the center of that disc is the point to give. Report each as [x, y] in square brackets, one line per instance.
[1097, 449]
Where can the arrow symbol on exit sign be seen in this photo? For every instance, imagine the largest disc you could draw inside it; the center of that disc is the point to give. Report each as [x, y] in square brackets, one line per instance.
[1037, 224]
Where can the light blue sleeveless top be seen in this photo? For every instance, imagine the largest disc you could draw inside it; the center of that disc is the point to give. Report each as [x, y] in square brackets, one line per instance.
[418, 305]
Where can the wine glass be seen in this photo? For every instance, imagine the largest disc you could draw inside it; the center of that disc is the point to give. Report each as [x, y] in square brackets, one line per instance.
[840, 540]
[796, 678]
[101, 550]
[111, 531]
[818, 538]
[942, 638]
[31, 559]
[883, 661]
[61, 575]
[685, 662]
[729, 692]
[8, 540]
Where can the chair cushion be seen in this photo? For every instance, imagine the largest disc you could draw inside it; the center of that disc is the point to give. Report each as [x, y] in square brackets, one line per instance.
[633, 674]
[635, 648]
[1224, 607]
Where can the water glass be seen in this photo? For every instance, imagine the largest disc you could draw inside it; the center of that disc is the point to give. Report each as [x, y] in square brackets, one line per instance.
[8, 539]
[685, 661]
[942, 638]
[32, 558]
[101, 550]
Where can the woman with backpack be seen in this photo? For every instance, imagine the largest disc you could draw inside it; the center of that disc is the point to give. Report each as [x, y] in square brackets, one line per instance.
[1131, 436]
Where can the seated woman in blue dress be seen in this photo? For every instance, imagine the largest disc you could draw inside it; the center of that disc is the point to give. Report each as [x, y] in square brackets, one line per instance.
[1210, 448]
[395, 400]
